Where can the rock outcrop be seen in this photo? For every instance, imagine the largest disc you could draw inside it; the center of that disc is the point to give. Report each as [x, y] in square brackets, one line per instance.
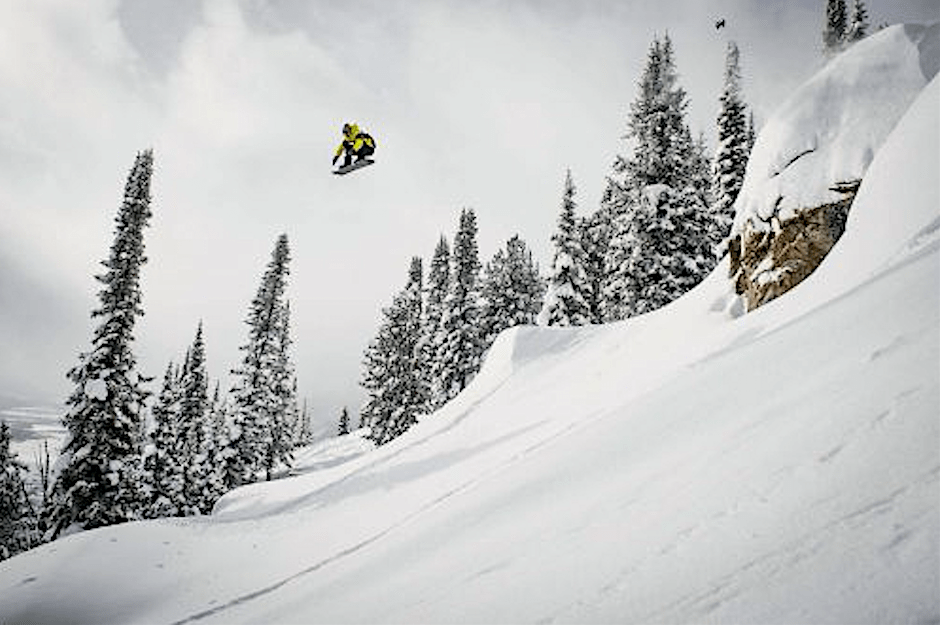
[767, 264]
[812, 154]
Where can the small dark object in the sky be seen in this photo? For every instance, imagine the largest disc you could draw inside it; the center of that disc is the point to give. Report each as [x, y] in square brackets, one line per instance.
[720, 24]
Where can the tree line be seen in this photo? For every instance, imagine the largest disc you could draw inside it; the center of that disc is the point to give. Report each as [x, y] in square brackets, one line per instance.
[129, 456]
[665, 212]
[661, 227]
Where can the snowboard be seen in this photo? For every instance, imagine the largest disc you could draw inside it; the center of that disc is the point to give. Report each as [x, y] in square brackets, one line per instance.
[353, 166]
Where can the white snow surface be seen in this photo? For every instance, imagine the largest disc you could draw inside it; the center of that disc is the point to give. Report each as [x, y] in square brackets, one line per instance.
[829, 130]
[689, 466]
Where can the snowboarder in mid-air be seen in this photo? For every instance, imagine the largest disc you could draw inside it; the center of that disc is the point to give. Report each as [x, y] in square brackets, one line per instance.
[356, 143]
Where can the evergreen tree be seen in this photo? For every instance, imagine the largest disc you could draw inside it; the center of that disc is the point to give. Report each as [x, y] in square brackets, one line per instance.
[751, 134]
[858, 28]
[344, 422]
[98, 473]
[284, 414]
[699, 170]
[194, 426]
[620, 281]
[219, 450]
[438, 284]
[164, 465]
[304, 430]
[673, 253]
[511, 289]
[393, 379]
[834, 34]
[664, 154]
[594, 236]
[657, 200]
[43, 464]
[258, 406]
[733, 150]
[657, 123]
[459, 343]
[439, 279]
[568, 286]
[18, 529]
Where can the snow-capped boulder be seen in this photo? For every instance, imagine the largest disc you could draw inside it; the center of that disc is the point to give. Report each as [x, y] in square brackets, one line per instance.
[812, 154]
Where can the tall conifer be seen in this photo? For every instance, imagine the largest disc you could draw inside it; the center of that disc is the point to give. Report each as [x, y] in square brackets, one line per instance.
[393, 375]
[439, 278]
[165, 467]
[258, 407]
[343, 422]
[99, 471]
[460, 343]
[656, 198]
[512, 290]
[733, 150]
[566, 301]
[834, 34]
[858, 26]
[18, 527]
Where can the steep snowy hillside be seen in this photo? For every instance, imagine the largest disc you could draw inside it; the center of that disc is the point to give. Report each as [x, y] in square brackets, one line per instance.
[690, 465]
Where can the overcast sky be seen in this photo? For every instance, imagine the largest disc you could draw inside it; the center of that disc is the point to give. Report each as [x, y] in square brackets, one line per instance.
[473, 104]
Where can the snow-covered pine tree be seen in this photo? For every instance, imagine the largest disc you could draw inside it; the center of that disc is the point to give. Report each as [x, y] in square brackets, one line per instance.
[673, 249]
[284, 416]
[295, 416]
[256, 401]
[303, 434]
[732, 153]
[98, 475]
[512, 290]
[594, 236]
[198, 440]
[438, 286]
[43, 464]
[566, 300]
[620, 284]
[664, 154]
[460, 344]
[164, 466]
[193, 424]
[396, 389]
[834, 34]
[343, 422]
[858, 26]
[699, 169]
[18, 523]
[218, 449]
[751, 133]
[657, 123]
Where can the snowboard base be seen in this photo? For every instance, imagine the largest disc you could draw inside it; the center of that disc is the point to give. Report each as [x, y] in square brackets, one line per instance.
[353, 166]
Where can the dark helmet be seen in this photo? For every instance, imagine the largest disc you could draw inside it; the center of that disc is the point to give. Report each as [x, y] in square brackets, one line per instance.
[346, 129]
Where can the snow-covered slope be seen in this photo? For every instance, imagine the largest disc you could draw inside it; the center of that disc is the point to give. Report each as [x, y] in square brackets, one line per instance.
[691, 465]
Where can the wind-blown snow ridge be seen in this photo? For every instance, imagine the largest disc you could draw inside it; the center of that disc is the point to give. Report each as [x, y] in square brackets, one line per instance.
[689, 465]
[829, 130]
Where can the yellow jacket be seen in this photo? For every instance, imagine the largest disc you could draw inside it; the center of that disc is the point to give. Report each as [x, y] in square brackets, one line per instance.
[353, 139]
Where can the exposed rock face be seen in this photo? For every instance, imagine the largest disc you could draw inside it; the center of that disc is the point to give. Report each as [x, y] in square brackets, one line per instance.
[767, 264]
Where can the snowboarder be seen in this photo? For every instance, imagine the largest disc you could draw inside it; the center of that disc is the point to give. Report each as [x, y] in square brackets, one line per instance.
[719, 24]
[355, 143]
